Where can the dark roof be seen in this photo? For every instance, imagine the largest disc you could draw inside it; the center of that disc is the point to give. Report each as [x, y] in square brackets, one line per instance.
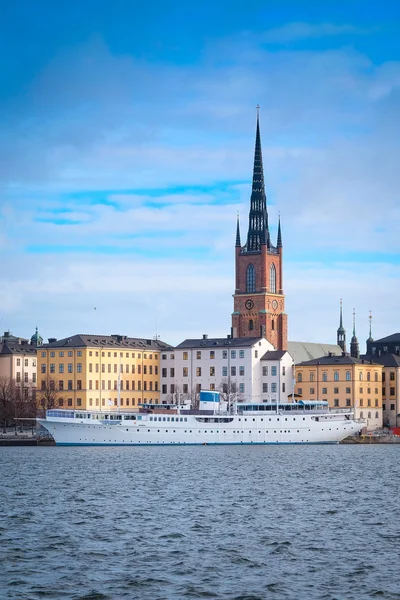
[395, 337]
[387, 360]
[273, 355]
[111, 341]
[335, 360]
[15, 348]
[221, 342]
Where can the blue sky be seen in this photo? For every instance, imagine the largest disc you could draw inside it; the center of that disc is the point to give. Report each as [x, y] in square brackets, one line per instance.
[126, 147]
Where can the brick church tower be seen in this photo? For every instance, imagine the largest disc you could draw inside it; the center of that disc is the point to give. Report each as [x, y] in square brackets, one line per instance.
[259, 302]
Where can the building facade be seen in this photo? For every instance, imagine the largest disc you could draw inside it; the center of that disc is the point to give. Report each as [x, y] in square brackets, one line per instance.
[242, 369]
[99, 372]
[344, 382]
[18, 362]
[259, 301]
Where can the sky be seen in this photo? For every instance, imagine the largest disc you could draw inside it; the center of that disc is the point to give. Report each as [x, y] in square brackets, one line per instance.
[127, 136]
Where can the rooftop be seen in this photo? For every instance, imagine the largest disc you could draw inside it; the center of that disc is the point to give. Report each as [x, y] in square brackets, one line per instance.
[302, 351]
[206, 342]
[110, 341]
[344, 359]
[395, 337]
[386, 360]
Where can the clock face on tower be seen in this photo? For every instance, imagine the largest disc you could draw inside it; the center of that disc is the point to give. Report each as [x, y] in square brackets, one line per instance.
[274, 304]
[249, 304]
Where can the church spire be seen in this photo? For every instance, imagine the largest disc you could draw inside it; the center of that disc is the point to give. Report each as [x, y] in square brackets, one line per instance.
[279, 240]
[341, 332]
[370, 339]
[258, 233]
[354, 345]
[238, 232]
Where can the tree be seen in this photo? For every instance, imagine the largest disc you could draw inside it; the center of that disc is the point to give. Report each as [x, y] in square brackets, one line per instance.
[228, 392]
[49, 393]
[7, 401]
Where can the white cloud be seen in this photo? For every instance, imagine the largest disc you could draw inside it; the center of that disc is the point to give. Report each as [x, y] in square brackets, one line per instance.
[301, 30]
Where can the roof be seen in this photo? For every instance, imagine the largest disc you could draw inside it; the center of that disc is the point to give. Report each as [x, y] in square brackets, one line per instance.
[273, 355]
[336, 360]
[222, 342]
[395, 337]
[387, 360]
[110, 341]
[16, 348]
[302, 351]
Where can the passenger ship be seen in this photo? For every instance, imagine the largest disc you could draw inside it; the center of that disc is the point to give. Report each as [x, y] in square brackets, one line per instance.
[166, 424]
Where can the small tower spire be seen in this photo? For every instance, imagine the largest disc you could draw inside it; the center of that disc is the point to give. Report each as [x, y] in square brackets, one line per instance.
[354, 345]
[341, 332]
[238, 244]
[370, 339]
[279, 240]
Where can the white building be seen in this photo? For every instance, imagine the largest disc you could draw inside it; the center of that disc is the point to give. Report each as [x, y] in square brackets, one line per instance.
[246, 369]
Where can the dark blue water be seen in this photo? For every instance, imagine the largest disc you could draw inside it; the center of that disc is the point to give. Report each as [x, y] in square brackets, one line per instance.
[231, 523]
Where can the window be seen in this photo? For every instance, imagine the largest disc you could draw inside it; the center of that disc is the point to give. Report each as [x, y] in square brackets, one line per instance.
[224, 353]
[198, 354]
[52, 368]
[224, 371]
[26, 362]
[212, 354]
[43, 354]
[300, 391]
[52, 354]
[185, 388]
[348, 402]
[233, 353]
[198, 371]
[79, 353]
[164, 388]
[256, 354]
[79, 368]
[299, 377]
[348, 391]
[265, 371]
[376, 415]
[61, 385]
[79, 401]
[391, 375]
[250, 279]
[273, 325]
[163, 357]
[185, 356]
[172, 389]
[233, 371]
[212, 386]
[61, 368]
[241, 353]
[43, 368]
[26, 377]
[360, 376]
[392, 407]
[273, 371]
[241, 371]
[284, 372]
[212, 371]
[335, 390]
[392, 391]
[376, 376]
[368, 376]
[33, 377]
[272, 278]
[348, 376]
[324, 376]
[273, 387]
[241, 388]
[164, 372]
[172, 372]
[79, 384]
[312, 390]
[69, 367]
[361, 415]
[185, 372]
[361, 402]
[376, 402]
[324, 390]
[336, 376]
[284, 387]
[265, 388]
[369, 402]
[369, 415]
[336, 402]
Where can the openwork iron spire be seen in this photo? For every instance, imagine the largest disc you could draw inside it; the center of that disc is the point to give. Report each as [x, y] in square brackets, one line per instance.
[258, 217]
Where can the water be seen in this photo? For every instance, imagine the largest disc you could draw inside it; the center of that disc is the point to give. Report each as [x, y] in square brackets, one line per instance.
[228, 523]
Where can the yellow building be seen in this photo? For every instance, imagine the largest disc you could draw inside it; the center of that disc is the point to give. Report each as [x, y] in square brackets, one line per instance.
[97, 371]
[344, 382]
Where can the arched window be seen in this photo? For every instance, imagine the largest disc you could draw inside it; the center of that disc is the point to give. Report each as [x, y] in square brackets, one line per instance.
[251, 325]
[312, 376]
[299, 377]
[272, 277]
[361, 376]
[251, 279]
[376, 415]
[348, 376]
[369, 415]
[376, 376]
[336, 376]
[361, 415]
[368, 376]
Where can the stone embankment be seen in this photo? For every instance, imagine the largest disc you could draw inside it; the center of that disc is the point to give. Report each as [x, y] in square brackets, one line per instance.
[25, 438]
[380, 438]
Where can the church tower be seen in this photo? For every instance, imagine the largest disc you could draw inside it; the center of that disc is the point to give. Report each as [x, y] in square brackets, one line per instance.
[341, 332]
[259, 302]
[354, 345]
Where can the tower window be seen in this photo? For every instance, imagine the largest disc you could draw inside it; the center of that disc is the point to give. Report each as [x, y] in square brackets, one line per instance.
[273, 325]
[272, 276]
[251, 325]
[250, 279]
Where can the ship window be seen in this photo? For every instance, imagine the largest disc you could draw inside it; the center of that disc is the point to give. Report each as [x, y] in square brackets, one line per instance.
[250, 279]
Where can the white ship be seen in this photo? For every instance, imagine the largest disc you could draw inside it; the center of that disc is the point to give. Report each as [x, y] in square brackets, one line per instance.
[166, 424]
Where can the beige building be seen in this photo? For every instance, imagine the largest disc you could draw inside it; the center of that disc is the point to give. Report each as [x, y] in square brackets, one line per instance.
[18, 361]
[99, 372]
[390, 387]
[344, 382]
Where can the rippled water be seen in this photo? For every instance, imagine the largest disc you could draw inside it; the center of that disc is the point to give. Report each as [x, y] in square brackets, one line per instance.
[231, 523]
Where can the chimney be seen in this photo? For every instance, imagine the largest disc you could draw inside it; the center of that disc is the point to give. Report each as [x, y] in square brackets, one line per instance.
[205, 336]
